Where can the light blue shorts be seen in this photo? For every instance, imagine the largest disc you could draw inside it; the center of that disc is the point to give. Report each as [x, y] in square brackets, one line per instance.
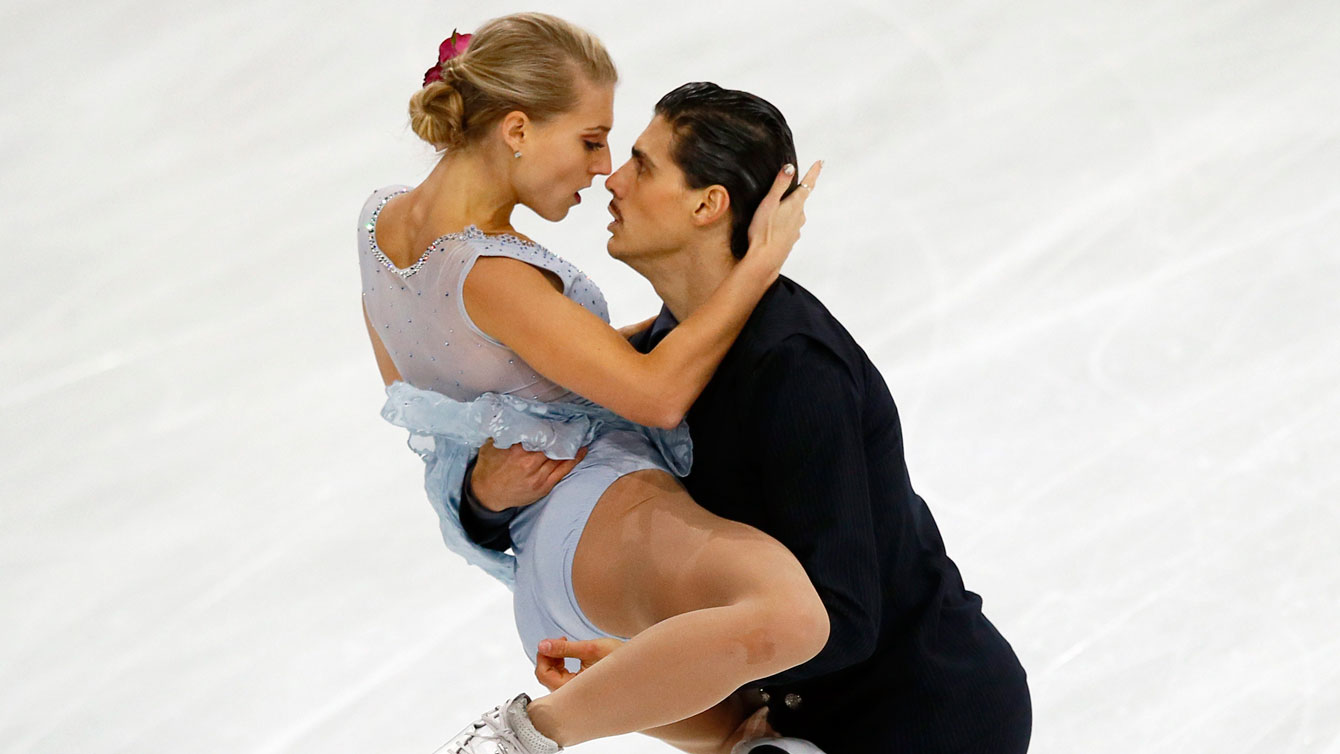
[545, 537]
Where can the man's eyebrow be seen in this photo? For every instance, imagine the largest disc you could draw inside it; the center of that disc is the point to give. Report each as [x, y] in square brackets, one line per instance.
[642, 157]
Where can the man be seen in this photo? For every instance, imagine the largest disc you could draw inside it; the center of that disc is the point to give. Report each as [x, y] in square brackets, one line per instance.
[798, 436]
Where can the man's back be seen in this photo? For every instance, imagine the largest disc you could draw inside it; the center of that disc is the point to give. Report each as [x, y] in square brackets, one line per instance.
[798, 435]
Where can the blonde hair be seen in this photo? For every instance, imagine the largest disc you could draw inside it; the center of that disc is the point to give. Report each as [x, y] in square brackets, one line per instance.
[526, 61]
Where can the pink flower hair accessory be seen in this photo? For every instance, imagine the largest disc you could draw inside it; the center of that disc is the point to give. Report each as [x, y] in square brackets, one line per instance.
[451, 47]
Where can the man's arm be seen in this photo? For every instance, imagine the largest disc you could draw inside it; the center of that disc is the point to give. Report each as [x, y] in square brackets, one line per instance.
[804, 413]
[484, 527]
[498, 482]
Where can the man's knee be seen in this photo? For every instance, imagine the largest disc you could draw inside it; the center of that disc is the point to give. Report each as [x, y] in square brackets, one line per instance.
[776, 746]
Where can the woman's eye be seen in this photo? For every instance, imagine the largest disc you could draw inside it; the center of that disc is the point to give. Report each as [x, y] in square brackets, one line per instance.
[594, 146]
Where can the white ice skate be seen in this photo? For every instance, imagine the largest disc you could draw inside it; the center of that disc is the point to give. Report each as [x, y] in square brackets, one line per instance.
[505, 729]
[789, 745]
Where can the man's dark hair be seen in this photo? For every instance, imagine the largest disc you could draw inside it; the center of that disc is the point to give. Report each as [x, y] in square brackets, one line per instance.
[729, 138]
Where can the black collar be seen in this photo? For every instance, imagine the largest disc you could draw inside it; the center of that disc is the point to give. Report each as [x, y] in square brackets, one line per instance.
[665, 322]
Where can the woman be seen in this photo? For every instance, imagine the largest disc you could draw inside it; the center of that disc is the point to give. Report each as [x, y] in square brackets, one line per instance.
[459, 305]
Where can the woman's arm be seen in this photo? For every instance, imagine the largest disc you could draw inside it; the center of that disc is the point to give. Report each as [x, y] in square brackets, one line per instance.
[514, 303]
[384, 364]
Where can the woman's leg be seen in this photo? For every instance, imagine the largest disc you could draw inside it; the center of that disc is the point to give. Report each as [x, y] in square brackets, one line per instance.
[716, 730]
[711, 604]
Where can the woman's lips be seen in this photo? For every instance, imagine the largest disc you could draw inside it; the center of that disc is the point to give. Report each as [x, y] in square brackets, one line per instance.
[577, 196]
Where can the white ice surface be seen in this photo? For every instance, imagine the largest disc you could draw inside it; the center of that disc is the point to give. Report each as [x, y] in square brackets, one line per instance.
[1092, 247]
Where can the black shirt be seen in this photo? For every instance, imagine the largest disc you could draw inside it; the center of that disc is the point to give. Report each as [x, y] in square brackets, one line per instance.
[798, 436]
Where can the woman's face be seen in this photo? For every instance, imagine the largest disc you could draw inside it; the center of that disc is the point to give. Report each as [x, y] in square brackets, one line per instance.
[564, 154]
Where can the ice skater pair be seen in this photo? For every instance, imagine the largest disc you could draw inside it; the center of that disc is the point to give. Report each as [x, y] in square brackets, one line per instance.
[784, 562]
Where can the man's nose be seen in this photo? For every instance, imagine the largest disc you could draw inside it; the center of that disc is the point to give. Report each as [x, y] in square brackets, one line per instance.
[615, 183]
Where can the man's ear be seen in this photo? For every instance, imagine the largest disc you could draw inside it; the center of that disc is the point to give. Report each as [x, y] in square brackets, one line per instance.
[713, 204]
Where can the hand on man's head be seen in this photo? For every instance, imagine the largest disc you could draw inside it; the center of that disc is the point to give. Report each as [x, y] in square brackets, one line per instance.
[514, 477]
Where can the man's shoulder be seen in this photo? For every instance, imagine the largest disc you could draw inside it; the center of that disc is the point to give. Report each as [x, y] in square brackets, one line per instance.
[790, 322]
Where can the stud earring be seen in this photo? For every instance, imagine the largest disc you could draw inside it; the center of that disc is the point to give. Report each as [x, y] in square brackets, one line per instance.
[517, 154]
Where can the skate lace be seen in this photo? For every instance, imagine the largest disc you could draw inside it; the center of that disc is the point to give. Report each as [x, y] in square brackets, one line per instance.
[504, 740]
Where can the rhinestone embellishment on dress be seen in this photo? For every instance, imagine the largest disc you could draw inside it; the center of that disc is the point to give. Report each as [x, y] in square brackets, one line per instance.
[371, 229]
[471, 232]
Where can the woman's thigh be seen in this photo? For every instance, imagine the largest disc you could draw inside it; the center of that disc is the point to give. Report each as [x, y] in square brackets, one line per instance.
[649, 552]
[545, 537]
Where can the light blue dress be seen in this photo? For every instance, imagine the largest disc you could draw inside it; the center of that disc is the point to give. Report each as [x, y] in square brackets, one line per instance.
[462, 387]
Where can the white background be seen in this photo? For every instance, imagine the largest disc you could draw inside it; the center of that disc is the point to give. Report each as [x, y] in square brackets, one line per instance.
[1091, 246]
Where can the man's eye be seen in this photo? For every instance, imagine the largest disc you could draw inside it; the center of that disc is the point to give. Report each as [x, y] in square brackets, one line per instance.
[594, 146]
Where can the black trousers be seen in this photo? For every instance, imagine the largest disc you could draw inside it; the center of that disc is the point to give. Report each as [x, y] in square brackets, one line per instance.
[866, 721]
[873, 734]
[1012, 738]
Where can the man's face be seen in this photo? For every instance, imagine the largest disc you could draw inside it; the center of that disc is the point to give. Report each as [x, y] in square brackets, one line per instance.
[652, 205]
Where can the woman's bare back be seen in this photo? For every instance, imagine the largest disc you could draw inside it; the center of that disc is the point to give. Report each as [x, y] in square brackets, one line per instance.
[413, 289]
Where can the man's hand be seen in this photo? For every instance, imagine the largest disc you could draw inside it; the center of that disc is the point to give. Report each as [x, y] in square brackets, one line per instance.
[628, 331]
[754, 726]
[550, 669]
[516, 477]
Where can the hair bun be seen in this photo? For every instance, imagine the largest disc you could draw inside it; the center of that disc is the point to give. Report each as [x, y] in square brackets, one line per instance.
[531, 62]
[437, 112]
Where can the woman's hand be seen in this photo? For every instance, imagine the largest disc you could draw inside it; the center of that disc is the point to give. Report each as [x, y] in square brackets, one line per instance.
[777, 222]
[550, 669]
